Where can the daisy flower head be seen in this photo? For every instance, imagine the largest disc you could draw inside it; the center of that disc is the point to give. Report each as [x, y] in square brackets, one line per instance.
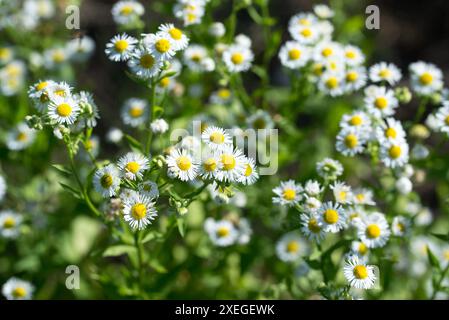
[81, 49]
[323, 11]
[159, 126]
[394, 154]
[313, 188]
[357, 120]
[88, 107]
[442, 118]
[126, 12]
[135, 112]
[332, 83]
[132, 165]
[355, 213]
[426, 78]
[342, 192]
[231, 164]
[400, 226]
[191, 144]
[327, 50]
[59, 90]
[350, 141]
[38, 93]
[238, 58]
[303, 28]
[222, 96]
[360, 249]
[120, 47]
[209, 165]
[302, 19]
[20, 137]
[243, 40]
[182, 164]
[178, 39]
[329, 169]
[222, 233]
[355, 78]
[160, 45]
[63, 110]
[6, 54]
[332, 217]
[390, 130]
[17, 289]
[353, 56]
[291, 247]
[373, 230]
[380, 102]
[260, 120]
[138, 210]
[294, 55]
[250, 175]
[107, 180]
[149, 188]
[288, 193]
[312, 204]
[196, 59]
[143, 63]
[216, 138]
[384, 71]
[358, 274]
[55, 57]
[190, 11]
[363, 196]
[10, 224]
[311, 227]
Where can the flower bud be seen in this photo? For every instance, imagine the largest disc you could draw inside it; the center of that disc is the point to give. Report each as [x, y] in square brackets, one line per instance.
[403, 94]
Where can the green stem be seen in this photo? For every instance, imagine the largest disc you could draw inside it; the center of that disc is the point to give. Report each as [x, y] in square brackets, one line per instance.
[139, 261]
[150, 118]
[421, 110]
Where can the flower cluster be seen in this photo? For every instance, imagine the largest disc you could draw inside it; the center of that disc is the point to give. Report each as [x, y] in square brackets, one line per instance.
[190, 11]
[228, 231]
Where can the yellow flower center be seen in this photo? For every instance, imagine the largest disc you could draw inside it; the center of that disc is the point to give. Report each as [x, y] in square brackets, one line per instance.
[164, 82]
[351, 141]
[138, 211]
[19, 292]
[304, 22]
[356, 120]
[132, 167]
[426, 78]
[390, 133]
[360, 196]
[401, 227]
[58, 57]
[224, 93]
[360, 272]
[175, 33]
[331, 216]
[317, 69]
[381, 103]
[292, 246]
[350, 54]
[342, 195]
[373, 231]
[248, 170]
[21, 136]
[210, 164]
[184, 163]
[395, 152]
[9, 223]
[289, 194]
[237, 58]
[191, 17]
[446, 120]
[217, 137]
[147, 61]
[363, 249]
[352, 76]
[384, 73]
[41, 85]
[106, 181]
[326, 52]
[60, 92]
[162, 45]
[223, 232]
[331, 83]
[135, 112]
[5, 53]
[64, 110]
[196, 57]
[121, 45]
[294, 54]
[306, 32]
[313, 226]
[127, 10]
[228, 161]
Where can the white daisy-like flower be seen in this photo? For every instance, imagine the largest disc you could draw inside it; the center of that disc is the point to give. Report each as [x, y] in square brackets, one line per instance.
[313, 188]
[353, 56]
[90, 109]
[55, 57]
[332, 217]
[6, 54]
[288, 193]
[312, 204]
[125, 12]
[323, 11]
[149, 188]
[394, 153]
[354, 214]
[350, 141]
[355, 78]
[384, 71]
[400, 226]
[250, 175]
[244, 230]
[260, 120]
[231, 164]
[358, 120]
[222, 96]
[426, 78]
[291, 247]
[217, 29]
[144, 63]
[342, 192]
[332, 83]
[243, 40]
[238, 58]
[380, 102]
[302, 19]
[160, 45]
[2, 187]
[17, 289]
[216, 138]
[59, 90]
[120, 47]
[10, 224]
[179, 40]
[138, 210]
[182, 164]
[197, 59]
[329, 168]
[114, 135]
[390, 130]
[39, 94]
[327, 50]
[132, 165]
[294, 55]
[373, 230]
[311, 227]
[165, 84]
[190, 11]
[360, 249]
[442, 118]
[107, 180]
[222, 233]
[363, 196]
[81, 49]
[358, 274]
[209, 165]
[304, 28]
[159, 126]
[135, 112]
[20, 137]
[63, 110]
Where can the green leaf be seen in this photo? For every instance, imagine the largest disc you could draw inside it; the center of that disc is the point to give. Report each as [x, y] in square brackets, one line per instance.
[314, 264]
[119, 250]
[444, 237]
[133, 142]
[61, 168]
[181, 226]
[328, 267]
[71, 190]
[157, 266]
[433, 260]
